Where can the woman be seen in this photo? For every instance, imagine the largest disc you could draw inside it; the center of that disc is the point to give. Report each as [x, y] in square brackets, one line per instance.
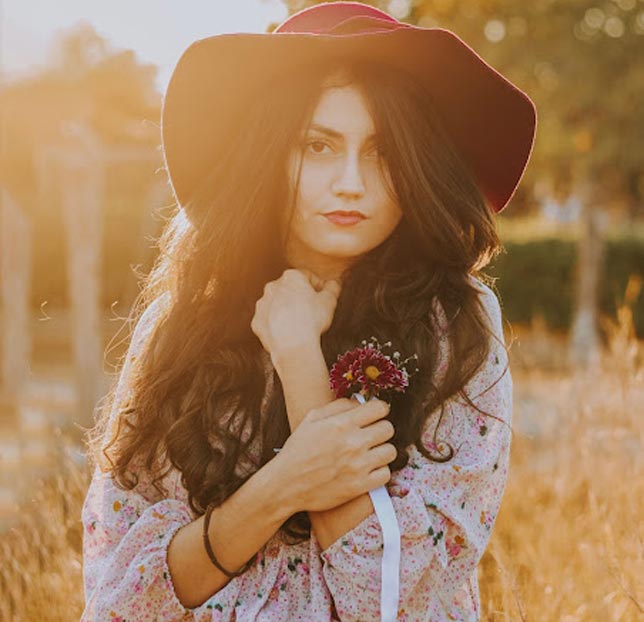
[256, 291]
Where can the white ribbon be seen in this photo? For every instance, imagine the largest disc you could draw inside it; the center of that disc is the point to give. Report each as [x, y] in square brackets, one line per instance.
[390, 565]
[391, 548]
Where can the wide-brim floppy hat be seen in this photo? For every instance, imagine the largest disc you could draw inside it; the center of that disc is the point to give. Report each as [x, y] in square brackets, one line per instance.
[490, 120]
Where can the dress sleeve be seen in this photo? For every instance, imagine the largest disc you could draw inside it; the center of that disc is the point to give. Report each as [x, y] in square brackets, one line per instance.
[445, 511]
[125, 542]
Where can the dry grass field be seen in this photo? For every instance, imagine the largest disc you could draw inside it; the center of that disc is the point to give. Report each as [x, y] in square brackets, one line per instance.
[566, 547]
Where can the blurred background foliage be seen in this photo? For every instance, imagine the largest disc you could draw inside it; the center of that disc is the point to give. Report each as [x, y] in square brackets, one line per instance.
[579, 60]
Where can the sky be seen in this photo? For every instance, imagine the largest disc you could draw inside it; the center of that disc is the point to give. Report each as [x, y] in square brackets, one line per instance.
[157, 30]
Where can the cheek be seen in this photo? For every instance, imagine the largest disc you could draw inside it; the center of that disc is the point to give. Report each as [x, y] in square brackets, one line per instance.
[389, 217]
[304, 221]
[307, 201]
[388, 209]
[314, 183]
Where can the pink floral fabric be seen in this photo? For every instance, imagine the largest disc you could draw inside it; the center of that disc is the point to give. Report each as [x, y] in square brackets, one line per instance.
[446, 513]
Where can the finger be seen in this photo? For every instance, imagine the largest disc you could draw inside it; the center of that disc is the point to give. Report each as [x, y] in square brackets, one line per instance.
[332, 286]
[382, 455]
[316, 282]
[379, 477]
[294, 275]
[334, 408]
[367, 413]
[379, 432]
[330, 293]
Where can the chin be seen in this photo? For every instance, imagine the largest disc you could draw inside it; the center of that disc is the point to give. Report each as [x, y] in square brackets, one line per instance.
[340, 251]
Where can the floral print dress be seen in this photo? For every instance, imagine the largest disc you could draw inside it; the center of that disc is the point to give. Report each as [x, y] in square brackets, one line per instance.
[445, 511]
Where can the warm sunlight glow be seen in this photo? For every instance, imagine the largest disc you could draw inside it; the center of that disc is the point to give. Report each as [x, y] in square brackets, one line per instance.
[157, 30]
[121, 298]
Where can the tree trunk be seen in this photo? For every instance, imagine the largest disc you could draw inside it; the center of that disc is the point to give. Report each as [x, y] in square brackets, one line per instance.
[82, 192]
[15, 280]
[585, 345]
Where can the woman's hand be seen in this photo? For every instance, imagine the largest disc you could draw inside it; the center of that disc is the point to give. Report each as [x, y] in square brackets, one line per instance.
[294, 310]
[337, 453]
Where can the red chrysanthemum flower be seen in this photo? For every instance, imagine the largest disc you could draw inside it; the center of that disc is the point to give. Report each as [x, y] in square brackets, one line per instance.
[368, 371]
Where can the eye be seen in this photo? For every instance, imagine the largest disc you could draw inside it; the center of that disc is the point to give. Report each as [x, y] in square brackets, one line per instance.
[376, 151]
[318, 143]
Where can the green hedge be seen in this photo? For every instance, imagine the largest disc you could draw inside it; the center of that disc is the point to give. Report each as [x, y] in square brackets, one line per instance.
[540, 276]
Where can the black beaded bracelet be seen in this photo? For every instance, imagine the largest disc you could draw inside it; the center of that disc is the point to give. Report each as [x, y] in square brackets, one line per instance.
[211, 554]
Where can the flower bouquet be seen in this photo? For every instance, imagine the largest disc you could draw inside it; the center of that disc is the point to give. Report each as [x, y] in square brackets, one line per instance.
[365, 373]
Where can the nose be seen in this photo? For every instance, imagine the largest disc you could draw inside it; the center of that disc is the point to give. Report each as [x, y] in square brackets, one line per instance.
[348, 181]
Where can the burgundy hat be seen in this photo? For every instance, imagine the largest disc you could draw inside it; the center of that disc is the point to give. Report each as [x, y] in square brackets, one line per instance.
[490, 120]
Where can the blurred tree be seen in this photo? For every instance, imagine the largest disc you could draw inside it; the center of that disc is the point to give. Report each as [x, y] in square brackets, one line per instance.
[111, 93]
[66, 128]
[87, 81]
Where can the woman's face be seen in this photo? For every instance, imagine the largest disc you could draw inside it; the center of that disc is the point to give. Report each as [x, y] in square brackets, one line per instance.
[340, 173]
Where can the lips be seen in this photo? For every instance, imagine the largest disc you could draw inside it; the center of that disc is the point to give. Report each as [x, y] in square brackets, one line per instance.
[345, 218]
[346, 214]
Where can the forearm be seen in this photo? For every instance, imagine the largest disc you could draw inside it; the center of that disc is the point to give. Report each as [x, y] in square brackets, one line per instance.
[238, 528]
[305, 380]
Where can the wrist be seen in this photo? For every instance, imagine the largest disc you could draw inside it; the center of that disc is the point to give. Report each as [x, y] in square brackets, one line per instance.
[283, 494]
[292, 355]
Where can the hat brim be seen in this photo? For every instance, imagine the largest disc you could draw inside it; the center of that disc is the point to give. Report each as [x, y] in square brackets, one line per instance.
[491, 121]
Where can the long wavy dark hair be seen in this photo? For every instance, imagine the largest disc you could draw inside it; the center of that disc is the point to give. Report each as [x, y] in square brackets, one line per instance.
[201, 374]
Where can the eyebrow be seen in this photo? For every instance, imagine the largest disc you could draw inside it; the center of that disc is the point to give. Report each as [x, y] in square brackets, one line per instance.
[333, 133]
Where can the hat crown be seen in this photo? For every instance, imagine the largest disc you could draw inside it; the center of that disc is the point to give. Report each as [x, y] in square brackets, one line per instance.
[337, 16]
